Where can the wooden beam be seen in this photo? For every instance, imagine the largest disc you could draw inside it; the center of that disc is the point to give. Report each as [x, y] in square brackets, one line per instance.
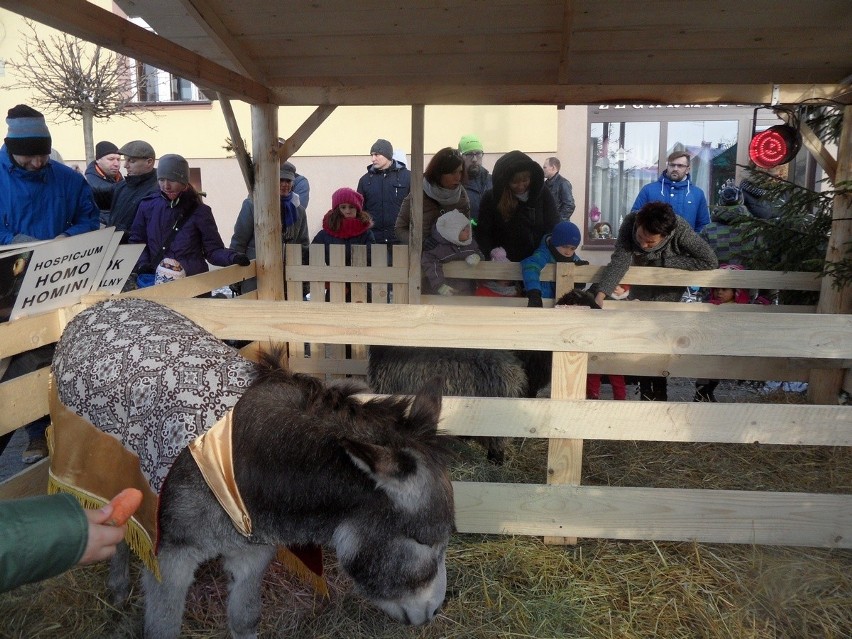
[707, 422]
[713, 516]
[236, 141]
[415, 238]
[207, 18]
[89, 22]
[813, 144]
[565, 456]
[567, 42]
[825, 385]
[267, 203]
[640, 332]
[344, 91]
[306, 130]
[29, 482]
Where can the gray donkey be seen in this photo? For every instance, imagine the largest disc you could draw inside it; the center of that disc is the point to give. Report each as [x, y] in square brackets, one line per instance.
[465, 372]
[314, 465]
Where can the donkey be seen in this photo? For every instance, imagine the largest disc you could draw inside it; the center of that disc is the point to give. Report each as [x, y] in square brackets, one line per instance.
[465, 372]
[313, 464]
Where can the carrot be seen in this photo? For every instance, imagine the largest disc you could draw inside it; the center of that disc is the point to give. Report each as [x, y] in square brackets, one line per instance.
[124, 504]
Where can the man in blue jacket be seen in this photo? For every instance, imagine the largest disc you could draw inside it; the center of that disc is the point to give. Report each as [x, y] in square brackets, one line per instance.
[39, 200]
[676, 189]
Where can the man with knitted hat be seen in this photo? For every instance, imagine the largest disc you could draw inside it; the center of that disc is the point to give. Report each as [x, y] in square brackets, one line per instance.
[39, 200]
[384, 187]
[477, 179]
[102, 174]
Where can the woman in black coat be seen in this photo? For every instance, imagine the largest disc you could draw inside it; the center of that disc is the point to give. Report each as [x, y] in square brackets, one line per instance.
[519, 211]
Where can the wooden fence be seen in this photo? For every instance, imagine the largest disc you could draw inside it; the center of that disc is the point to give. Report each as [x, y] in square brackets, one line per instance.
[691, 340]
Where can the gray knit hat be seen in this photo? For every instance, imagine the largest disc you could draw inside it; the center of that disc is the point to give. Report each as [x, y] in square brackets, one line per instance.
[382, 147]
[28, 133]
[173, 167]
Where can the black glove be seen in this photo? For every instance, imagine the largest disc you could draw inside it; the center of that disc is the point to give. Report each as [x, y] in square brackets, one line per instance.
[241, 259]
[581, 263]
[534, 299]
[146, 269]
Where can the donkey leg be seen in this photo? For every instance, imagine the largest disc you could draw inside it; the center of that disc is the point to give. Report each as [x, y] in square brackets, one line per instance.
[165, 599]
[118, 581]
[245, 567]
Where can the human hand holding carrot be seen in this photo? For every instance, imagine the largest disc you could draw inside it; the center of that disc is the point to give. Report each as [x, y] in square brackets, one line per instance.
[107, 525]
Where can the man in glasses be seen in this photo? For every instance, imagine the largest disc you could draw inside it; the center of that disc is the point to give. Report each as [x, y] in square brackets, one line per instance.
[477, 179]
[676, 189]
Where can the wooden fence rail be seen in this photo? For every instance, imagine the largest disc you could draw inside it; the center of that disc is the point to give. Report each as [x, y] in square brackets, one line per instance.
[628, 335]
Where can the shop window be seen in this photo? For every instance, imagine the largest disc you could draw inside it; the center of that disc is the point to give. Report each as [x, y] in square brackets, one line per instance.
[628, 147]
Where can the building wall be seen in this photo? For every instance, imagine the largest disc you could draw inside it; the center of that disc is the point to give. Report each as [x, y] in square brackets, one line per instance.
[336, 155]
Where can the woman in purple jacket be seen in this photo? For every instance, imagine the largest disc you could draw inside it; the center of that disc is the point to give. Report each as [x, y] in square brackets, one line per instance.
[196, 241]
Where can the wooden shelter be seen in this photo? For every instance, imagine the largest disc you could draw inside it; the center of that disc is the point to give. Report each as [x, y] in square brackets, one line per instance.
[329, 54]
[335, 53]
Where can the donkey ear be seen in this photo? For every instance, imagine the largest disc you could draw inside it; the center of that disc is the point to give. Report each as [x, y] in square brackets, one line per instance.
[393, 471]
[380, 462]
[425, 409]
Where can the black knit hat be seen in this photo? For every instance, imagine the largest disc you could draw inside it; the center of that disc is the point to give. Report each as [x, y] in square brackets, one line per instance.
[382, 147]
[104, 148]
[28, 134]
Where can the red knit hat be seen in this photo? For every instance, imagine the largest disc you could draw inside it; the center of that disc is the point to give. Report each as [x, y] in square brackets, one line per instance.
[347, 196]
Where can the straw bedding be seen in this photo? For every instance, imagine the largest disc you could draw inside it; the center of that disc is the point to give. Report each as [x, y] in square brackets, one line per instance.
[516, 587]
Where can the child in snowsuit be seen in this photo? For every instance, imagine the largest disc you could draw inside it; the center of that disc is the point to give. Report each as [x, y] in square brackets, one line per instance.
[559, 246]
[451, 239]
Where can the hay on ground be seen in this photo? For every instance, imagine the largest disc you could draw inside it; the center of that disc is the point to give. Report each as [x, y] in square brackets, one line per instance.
[516, 587]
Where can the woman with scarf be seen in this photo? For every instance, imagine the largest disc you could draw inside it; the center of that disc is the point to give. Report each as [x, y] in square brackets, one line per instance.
[442, 192]
[177, 228]
[294, 224]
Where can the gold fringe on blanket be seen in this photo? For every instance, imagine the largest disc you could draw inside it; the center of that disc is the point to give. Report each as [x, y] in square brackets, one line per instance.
[136, 537]
[94, 467]
[305, 566]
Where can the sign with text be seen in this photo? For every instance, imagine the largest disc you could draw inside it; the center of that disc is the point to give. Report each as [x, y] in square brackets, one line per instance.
[61, 271]
[118, 268]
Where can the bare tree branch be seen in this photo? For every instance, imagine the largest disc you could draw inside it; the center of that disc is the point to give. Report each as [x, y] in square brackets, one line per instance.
[76, 80]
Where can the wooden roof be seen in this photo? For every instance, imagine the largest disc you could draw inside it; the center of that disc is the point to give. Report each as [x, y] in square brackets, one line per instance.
[340, 52]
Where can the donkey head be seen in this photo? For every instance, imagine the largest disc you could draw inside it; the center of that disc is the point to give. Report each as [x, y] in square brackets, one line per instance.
[394, 549]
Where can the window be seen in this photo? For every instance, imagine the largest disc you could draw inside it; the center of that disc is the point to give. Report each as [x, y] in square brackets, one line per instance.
[155, 85]
[628, 147]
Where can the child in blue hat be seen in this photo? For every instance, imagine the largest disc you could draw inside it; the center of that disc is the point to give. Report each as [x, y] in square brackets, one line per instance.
[560, 246]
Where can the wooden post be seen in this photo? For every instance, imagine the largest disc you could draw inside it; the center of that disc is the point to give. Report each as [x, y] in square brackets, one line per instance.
[568, 381]
[415, 241]
[565, 456]
[267, 203]
[825, 384]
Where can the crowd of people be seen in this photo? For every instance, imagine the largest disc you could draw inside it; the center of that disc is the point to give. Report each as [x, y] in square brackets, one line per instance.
[521, 212]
